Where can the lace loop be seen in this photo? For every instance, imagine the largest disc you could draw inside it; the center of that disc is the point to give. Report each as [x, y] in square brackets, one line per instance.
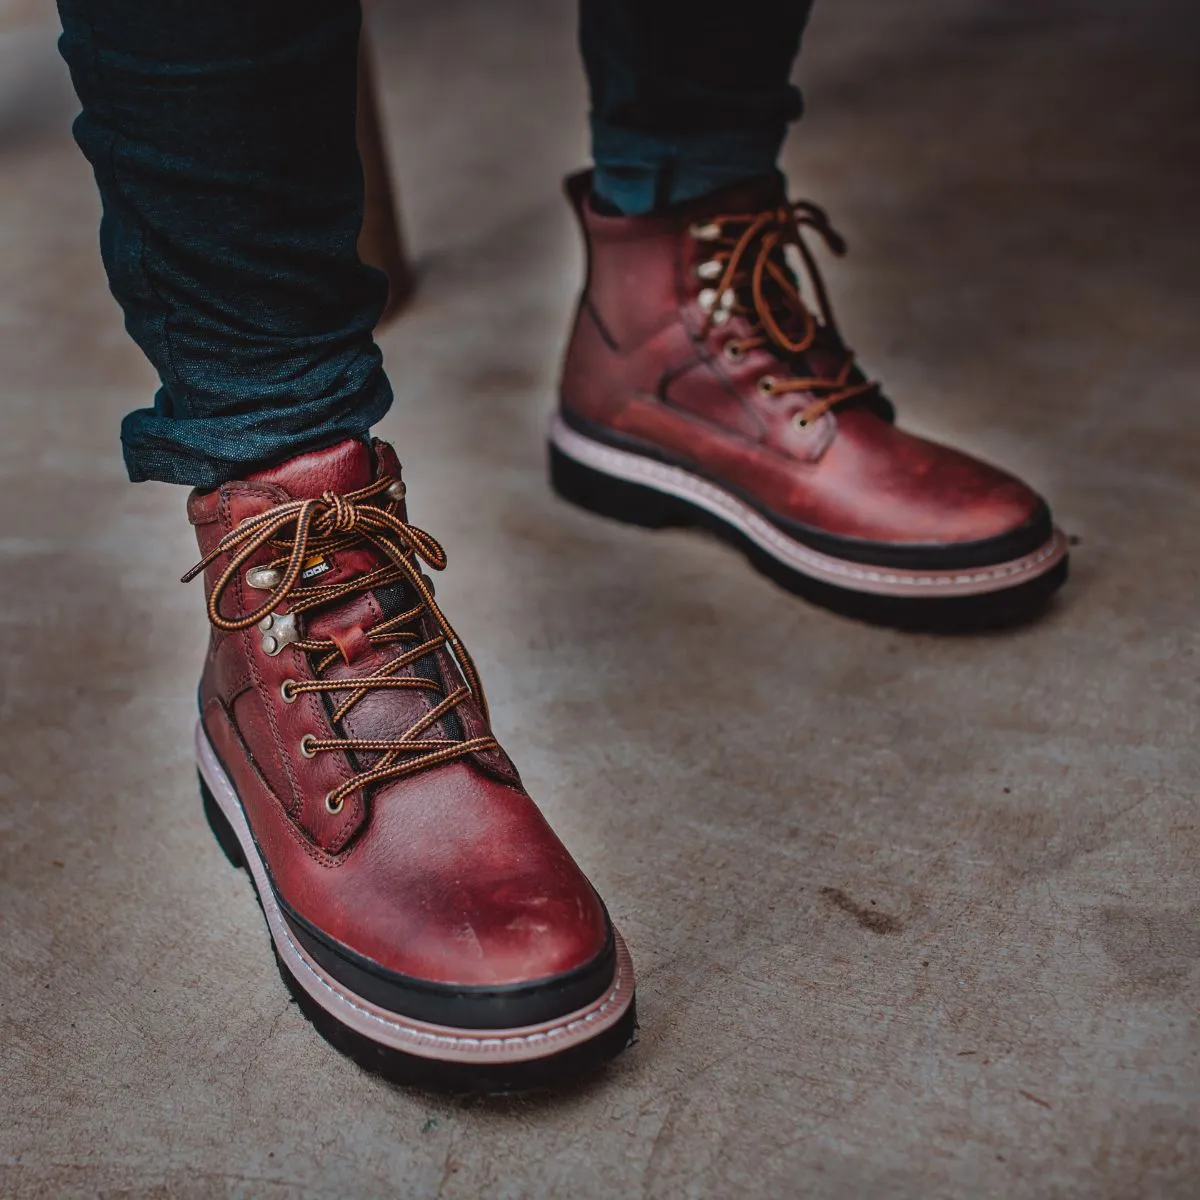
[753, 264]
[319, 527]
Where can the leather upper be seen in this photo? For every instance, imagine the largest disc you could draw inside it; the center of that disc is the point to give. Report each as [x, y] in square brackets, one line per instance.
[645, 369]
[451, 875]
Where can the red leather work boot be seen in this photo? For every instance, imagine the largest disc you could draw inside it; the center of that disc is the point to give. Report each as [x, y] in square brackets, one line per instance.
[422, 911]
[700, 389]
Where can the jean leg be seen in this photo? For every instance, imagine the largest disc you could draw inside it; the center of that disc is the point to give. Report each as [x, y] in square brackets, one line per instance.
[687, 97]
[221, 133]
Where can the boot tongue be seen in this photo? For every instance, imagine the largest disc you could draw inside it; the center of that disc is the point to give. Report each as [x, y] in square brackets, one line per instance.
[749, 196]
[345, 467]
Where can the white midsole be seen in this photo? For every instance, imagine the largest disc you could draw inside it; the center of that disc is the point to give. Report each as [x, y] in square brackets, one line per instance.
[884, 581]
[446, 1043]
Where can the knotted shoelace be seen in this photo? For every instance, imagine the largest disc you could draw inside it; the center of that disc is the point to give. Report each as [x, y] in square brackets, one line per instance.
[299, 530]
[755, 282]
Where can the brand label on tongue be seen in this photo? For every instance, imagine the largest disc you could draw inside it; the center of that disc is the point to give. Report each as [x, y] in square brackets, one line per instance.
[317, 565]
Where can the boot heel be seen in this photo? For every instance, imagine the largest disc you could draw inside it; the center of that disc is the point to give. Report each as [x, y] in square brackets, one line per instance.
[220, 827]
[618, 499]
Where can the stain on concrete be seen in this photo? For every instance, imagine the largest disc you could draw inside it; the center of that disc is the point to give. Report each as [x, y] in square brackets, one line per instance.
[868, 916]
[1154, 949]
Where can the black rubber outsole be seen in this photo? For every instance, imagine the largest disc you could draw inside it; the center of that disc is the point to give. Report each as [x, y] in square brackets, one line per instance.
[637, 504]
[408, 1070]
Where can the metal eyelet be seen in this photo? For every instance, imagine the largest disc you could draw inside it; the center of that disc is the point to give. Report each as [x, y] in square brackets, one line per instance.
[708, 232]
[286, 692]
[766, 385]
[801, 424]
[306, 746]
[332, 806]
[707, 299]
[733, 351]
[709, 270]
[397, 491]
[263, 579]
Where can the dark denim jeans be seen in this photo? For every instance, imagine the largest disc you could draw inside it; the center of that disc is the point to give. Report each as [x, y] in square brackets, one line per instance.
[222, 138]
[687, 95]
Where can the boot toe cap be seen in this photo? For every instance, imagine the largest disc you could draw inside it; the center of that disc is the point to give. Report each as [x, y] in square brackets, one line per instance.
[534, 992]
[459, 907]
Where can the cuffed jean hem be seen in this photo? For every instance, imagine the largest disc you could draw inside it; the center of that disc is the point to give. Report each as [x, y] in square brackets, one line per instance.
[641, 172]
[207, 452]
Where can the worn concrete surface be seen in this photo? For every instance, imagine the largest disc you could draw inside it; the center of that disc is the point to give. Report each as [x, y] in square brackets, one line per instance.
[913, 917]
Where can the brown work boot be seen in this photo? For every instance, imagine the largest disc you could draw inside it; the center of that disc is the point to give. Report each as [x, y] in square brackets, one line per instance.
[422, 911]
[700, 389]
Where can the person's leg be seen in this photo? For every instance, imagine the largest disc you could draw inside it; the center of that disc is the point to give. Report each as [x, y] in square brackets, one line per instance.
[222, 138]
[685, 101]
[344, 746]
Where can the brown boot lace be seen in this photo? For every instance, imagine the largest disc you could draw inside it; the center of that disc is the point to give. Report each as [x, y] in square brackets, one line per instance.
[775, 303]
[302, 529]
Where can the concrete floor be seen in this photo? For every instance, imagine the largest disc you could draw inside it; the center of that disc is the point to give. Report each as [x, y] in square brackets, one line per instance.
[913, 917]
